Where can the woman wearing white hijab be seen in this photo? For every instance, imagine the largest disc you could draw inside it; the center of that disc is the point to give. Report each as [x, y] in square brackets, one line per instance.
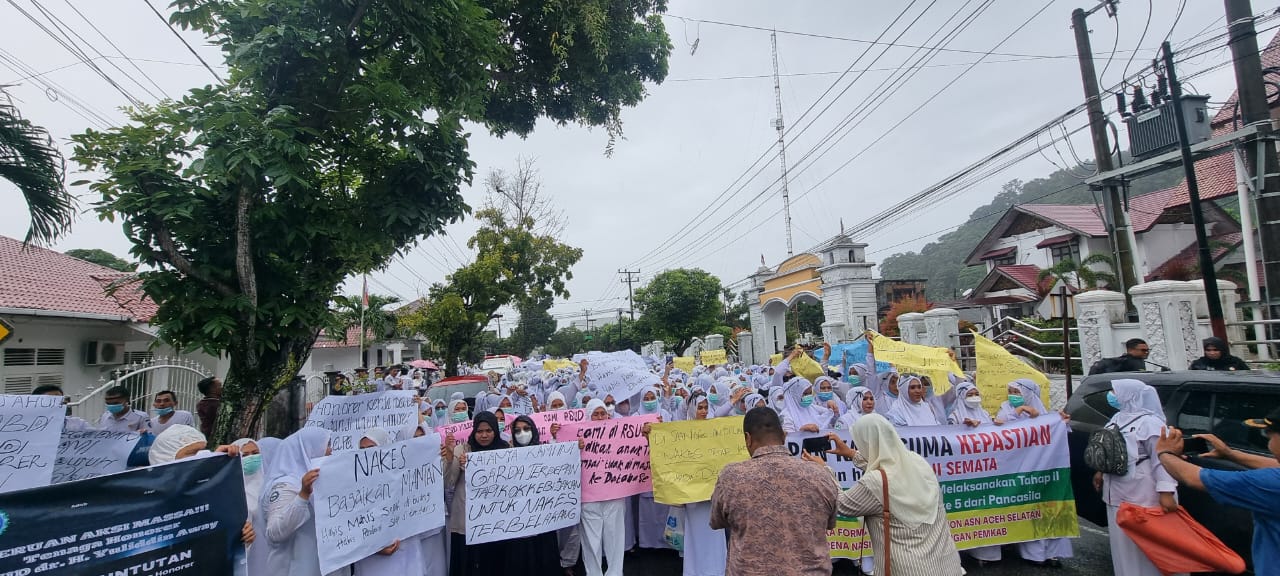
[919, 533]
[861, 401]
[969, 412]
[778, 399]
[1140, 419]
[801, 411]
[175, 443]
[705, 550]
[291, 530]
[912, 408]
[434, 543]
[651, 516]
[1024, 403]
[398, 558]
[602, 524]
[253, 453]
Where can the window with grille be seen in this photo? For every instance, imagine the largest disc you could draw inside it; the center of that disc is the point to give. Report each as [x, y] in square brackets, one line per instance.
[25, 383]
[1068, 251]
[141, 357]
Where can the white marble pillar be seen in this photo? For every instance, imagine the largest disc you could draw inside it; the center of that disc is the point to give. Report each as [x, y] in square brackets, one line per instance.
[1167, 315]
[746, 354]
[942, 326]
[911, 327]
[1096, 311]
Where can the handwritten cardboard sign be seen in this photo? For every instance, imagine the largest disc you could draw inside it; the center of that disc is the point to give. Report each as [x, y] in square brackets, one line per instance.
[543, 421]
[366, 499]
[89, 453]
[30, 429]
[713, 357]
[348, 417]
[520, 492]
[615, 459]
[686, 457]
[622, 374]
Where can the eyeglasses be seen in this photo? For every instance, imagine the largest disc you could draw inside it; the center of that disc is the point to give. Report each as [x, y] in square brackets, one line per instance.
[1142, 350]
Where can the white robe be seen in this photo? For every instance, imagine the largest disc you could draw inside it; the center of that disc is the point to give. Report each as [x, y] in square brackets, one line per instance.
[704, 549]
[603, 536]
[406, 559]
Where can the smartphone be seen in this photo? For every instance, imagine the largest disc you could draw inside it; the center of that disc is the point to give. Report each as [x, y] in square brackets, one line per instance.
[818, 445]
[1195, 445]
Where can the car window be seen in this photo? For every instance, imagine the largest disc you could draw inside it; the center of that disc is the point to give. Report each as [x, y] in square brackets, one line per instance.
[1230, 410]
[1098, 401]
[1196, 415]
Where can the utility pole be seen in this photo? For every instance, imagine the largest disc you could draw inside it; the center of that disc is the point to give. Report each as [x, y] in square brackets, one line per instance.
[632, 278]
[782, 142]
[1252, 97]
[1114, 203]
[1210, 275]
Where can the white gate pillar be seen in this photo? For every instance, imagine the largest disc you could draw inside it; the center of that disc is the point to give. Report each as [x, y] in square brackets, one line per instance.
[1096, 311]
[1167, 314]
[911, 327]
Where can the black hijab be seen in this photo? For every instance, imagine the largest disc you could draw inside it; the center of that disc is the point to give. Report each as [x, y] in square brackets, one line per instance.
[527, 420]
[486, 417]
[1225, 360]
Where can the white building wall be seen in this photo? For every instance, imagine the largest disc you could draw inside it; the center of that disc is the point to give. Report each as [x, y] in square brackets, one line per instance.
[1026, 251]
[1162, 242]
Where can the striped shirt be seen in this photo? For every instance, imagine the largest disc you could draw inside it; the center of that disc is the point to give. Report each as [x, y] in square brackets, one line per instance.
[925, 550]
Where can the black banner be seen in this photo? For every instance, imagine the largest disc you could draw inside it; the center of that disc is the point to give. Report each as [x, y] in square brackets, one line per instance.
[180, 519]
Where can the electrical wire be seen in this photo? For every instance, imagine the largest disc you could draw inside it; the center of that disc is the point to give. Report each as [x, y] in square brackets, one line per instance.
[1150, 10]
[832, 72]
[1115, 44]
[183, 40]
[75, 51]
[117, 48]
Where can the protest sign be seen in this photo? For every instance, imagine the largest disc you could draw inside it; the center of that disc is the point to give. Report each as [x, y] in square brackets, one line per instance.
[1000, 484]
[713, 357]
[88, 453]
[366, 499]
[460, 431]
[32, 427]
[348, 417]
[931, 361]
[622, 374]
[615, 460]
[850, 353]
[181, 519]
[686, 457]
[543, 421]
[775, 359]
[553, 365]
[517, 492]
[684, 363]
[997, 368]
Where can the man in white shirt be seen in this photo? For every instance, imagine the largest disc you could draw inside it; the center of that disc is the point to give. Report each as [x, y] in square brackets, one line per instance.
[72, 423]
[119, 417]
[167, 414]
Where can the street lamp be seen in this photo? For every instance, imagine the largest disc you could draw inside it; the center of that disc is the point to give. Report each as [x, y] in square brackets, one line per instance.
[498, 317]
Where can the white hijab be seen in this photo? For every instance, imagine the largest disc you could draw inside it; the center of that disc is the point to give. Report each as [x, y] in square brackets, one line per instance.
[253, 482]
[907, 413]
[1137, 401]
[814, 414]
[914, 495]
[292, 458]
[176, 437]
[963, 410]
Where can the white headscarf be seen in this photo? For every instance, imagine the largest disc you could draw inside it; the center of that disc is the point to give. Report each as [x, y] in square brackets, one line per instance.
[253, 482]
[379, 436]
[556, 395]
[907, 413]
[292, 459]
[914, 495]
[592, 405]
[814, 414]
[1140, 409]
[854, 413]
[963, 410]
[167, 445]
[694, 401]
[1031, 394]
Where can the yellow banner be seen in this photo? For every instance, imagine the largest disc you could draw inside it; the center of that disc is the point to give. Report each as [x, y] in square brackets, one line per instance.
[686, 457]
[849, 539]
[807, 367]
[934, 362]
[685, 363]
[714, 357]
[997, 368]
[553, 365]
[775, 359]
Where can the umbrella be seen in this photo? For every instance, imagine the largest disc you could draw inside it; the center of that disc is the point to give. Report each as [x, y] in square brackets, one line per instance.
[424, 364]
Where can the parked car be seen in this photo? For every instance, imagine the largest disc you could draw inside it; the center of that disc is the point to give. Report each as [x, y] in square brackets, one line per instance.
[501, 364]
[469, 385]
[1197, 402]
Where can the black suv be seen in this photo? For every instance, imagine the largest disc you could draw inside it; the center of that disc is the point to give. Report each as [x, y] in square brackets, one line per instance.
[1197, 402]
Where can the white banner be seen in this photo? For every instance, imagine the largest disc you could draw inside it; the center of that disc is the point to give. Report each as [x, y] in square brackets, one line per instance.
[30, 429]
[88, 453]
[622, 374]
[348, 417]
[366, 499]
[520, 492]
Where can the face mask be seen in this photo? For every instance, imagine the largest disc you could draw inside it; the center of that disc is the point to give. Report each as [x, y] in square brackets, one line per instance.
[251, 464]
[806, 400]
[973, 401]
[1015, 400]
[738, 411]
[737, 372]
[1113, 401]
[677, 402]
[458, 417]
[164, 411]
[439, 412]
[115, 408]
[502, 426]
[713, 398]
[650, 405]
[825, 396]
[523, 438]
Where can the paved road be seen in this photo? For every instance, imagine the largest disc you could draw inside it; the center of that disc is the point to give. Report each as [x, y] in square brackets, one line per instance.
[1092, 558]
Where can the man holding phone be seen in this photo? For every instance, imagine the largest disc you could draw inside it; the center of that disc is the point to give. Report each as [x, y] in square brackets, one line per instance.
[1256, 489]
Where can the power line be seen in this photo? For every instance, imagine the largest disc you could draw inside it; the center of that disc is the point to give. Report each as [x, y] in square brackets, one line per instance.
[117, 48]
[832, 72]
[183, 40]
[75, 51]
[1150, 9]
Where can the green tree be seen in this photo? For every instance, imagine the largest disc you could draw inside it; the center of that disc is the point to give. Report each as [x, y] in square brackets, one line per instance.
[1082, 274]
[809, 317]
[566, 342]
[535, 327]
[513, 264]
[336, 143]
[350, 312]
[30, 160]
[737, 310]
[679, 305]
[102, 258]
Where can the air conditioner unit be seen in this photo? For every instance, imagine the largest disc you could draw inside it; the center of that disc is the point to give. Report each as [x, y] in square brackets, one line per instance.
[104, 353]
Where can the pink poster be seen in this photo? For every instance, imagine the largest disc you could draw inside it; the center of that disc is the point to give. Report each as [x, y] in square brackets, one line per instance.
[544, 420]
[462, 430]
[615, 459]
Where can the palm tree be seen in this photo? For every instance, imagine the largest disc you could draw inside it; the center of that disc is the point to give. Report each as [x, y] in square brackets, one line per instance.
[1079, 273]
[29, 159]
[378, 321]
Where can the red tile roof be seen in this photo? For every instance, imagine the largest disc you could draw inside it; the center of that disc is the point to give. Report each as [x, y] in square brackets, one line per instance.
[1056, 240]
[350, 340]
[1027, 276]
[41, 279]
[1086, 219]
[998, 252]
[1181, 263]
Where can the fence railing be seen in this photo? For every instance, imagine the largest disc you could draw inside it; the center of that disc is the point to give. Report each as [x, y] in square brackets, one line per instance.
[1006, 332]
[144, 380]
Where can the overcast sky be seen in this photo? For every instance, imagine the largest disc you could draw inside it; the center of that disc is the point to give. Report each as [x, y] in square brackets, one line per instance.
[698, 131]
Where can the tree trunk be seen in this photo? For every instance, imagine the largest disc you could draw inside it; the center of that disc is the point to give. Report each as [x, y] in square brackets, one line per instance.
[248, 390]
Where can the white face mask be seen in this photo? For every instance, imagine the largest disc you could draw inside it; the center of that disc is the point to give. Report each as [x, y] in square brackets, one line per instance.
[524, 437]
[973, 401]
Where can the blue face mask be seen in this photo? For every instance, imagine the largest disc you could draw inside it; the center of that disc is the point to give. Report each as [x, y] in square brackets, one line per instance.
[502, 426]
[825, 396]
[676, 402]
[115, 408]
[439, 412]
[713, 398]
[458, 417]
[1113, 401]
[164, 411]
[1016, 400]
[806, 400]
[650, 405]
